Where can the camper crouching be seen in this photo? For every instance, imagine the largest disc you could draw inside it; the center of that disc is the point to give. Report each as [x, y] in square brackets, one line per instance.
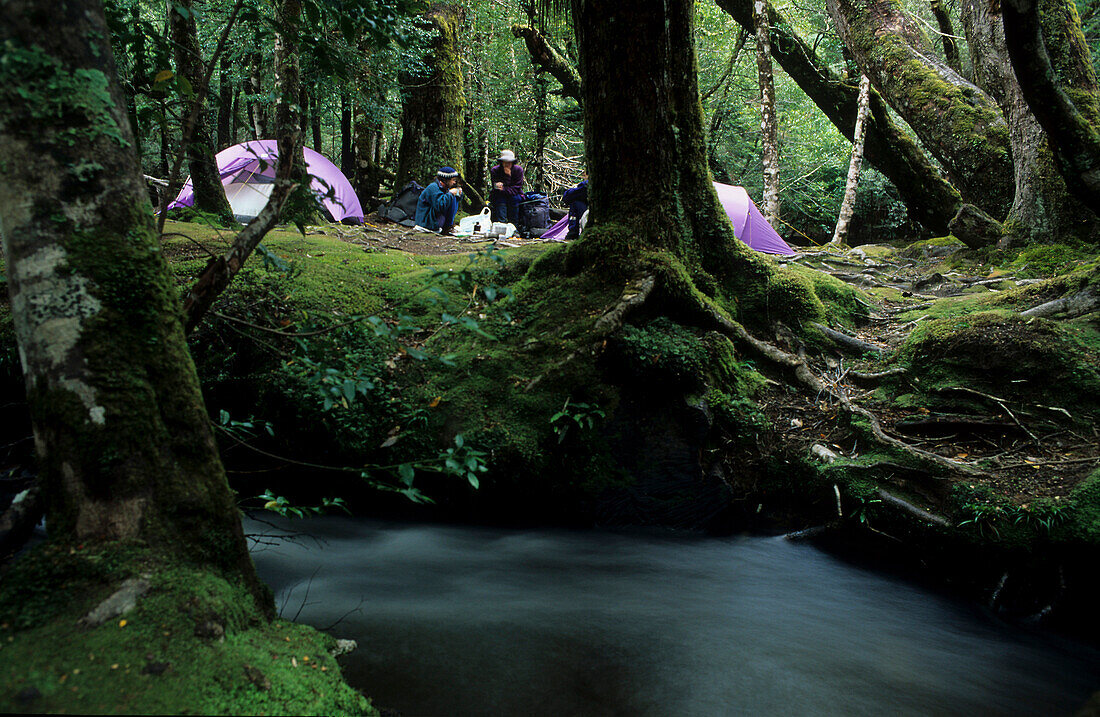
[438, 203]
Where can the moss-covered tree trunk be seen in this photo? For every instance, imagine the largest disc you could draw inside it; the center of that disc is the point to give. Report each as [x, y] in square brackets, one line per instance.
[1043, 209]
[930, 198]
[301, 207]
[645, 145]
[548, 59]
[433, 101]
[958, 123]
[125, 447]
[198, 142]
[1052, 63]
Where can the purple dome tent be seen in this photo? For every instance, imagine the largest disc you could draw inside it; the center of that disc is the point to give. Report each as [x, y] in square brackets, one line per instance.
[248, 174]
[749, 225]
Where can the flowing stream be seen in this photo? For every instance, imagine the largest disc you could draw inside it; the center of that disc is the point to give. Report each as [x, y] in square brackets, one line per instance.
[459, 620]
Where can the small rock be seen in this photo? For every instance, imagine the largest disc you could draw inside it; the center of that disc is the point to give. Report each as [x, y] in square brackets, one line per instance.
[257, 678]
[822, 453]
[343, 647]
[210, 630]
[121, 602]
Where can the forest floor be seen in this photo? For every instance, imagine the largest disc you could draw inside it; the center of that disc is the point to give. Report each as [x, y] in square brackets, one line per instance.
[1025, 452]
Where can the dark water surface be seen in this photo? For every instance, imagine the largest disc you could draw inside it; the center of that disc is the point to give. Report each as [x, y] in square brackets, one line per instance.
[484, 621]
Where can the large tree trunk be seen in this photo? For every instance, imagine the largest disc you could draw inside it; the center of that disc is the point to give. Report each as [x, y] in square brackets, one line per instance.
[848, 205]
[433, 102]
[959, 124]
[1051, 61]
[125, 447]
[769, 122]
[199, 145]
[1042, 209]
[301, 207]
[644, 139]
[931, 200]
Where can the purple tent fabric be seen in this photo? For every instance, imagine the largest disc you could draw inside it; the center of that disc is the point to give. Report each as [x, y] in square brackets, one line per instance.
[749, 224]
[557, 230]
[254, 163]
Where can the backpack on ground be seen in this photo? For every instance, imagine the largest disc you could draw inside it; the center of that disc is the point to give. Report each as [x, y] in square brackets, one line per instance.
[402, 208]
[534, 215]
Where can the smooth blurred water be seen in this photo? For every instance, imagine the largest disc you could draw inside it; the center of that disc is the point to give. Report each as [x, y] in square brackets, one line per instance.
[483, 621]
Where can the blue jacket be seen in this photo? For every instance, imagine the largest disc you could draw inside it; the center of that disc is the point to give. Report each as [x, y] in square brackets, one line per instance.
[434, 205]
[578, 193]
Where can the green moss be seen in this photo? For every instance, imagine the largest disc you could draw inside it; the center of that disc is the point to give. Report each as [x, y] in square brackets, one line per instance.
[162, 657]
[1082, 512]
[1029, 360]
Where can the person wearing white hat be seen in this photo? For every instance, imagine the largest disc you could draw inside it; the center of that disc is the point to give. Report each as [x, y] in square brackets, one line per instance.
[507, 178]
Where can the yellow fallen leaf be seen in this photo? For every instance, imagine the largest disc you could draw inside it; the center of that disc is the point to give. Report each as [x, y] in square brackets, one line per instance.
[435, 402]
[164, 76]
[122, 623]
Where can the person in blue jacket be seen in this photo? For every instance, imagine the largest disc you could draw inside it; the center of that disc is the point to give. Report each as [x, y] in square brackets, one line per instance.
[576, 199]
[438, 203]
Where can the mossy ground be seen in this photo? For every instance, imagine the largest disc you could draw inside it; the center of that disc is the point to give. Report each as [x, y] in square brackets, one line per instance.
[194, 643]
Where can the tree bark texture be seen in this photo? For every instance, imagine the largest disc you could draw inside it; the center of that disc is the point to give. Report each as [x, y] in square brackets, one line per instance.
[1043, 209]
[947, 35]
[1050, 60]
[958, 123]
[848, 205]
[347, 156]
[433, 102]
[125, 447]
[548, 59]
[769, 122]
[225, 105]
[644, 139]
[301, 207]
[932, 201]
[199, 144]
[366, 142]
[257, 108]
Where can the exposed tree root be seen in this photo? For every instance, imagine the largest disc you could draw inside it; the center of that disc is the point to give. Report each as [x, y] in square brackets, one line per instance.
[849, 342]
[916, 511]
[1083, 302]
[717, 318]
